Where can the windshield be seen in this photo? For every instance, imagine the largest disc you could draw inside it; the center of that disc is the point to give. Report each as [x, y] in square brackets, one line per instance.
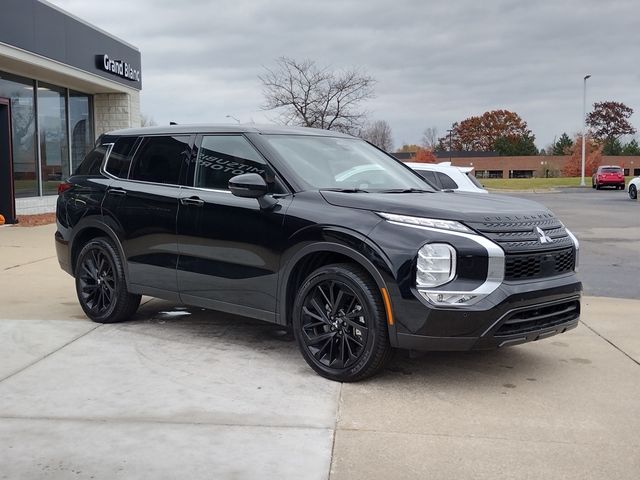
[611, 170]
[346, 164]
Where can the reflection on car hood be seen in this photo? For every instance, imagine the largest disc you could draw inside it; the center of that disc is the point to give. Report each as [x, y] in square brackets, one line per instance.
[443, 205]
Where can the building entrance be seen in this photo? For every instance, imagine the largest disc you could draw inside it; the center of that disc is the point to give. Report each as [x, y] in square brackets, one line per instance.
[7, 198]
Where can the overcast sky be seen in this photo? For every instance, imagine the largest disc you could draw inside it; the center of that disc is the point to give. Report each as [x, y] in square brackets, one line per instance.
[435, 62]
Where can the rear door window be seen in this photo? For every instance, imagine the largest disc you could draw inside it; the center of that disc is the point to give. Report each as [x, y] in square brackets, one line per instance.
[159, 159]
[120, 157]
[92, 162]
[430, 177]
[446, 181]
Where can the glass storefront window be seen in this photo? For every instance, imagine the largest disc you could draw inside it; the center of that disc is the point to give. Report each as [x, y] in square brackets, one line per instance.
[23, 122]
[81, 127]
[52, 125]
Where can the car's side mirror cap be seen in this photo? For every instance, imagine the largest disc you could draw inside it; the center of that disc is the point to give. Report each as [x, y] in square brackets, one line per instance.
[248, 185]
[252, 185]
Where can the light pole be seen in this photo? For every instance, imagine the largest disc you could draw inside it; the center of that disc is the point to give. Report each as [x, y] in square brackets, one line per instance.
[234, 118]
[584, 120]
[450, 133]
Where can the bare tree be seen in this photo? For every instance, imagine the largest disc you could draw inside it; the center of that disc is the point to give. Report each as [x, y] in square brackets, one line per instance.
[312, 96]
[430, 138]
[147, 121]
[378, 133]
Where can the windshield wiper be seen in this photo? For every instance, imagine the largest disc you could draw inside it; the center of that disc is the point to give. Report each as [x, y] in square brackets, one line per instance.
[405, 190]
[345, 190]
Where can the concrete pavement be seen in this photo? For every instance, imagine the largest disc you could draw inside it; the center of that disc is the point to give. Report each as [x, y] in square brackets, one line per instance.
[186, 393]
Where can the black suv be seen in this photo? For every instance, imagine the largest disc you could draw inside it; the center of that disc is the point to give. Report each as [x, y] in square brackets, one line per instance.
[316, 231]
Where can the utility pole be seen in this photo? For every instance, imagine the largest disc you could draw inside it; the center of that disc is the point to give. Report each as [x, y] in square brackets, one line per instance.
[584, 121]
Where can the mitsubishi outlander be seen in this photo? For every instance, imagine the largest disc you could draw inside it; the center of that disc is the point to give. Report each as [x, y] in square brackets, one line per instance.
[316, 231]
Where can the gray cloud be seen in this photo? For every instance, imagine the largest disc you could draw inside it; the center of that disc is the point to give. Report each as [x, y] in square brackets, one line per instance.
[435, 62]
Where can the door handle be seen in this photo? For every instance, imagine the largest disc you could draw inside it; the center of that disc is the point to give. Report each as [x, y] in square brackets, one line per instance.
[117, 191]
[193, 201]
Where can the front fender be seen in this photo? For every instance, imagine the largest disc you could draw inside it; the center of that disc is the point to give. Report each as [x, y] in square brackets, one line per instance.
[339, 240]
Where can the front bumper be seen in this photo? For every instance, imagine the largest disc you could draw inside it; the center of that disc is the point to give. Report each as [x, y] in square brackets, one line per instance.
[515, 313]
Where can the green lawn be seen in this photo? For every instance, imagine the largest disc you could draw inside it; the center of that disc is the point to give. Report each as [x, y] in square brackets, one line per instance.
[535, 183]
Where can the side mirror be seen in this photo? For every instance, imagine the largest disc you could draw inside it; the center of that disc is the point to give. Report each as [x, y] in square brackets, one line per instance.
[248, 185]
[252, 185]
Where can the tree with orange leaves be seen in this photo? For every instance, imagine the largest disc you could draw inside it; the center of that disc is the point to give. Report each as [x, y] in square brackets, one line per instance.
[592, 157]
[481, 133]
[424, 155]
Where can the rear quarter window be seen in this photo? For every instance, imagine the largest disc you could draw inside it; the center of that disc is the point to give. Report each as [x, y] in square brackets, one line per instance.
[446, 181]
[120, 157]
[92, 162]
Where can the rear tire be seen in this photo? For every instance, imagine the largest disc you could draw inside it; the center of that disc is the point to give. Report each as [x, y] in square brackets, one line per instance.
[633, 192]
[340, 323]
[100, 283]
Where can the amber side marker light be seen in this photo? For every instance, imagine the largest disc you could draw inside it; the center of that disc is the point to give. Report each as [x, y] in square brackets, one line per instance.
[387, 305]
[2, 220]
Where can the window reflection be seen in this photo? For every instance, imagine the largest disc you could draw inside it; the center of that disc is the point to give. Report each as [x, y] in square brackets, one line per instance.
[23, 123]
[52, 123]
[81, 127]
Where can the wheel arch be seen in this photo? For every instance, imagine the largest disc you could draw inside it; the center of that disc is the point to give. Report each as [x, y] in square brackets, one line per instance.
[88, 229]
[315, 255]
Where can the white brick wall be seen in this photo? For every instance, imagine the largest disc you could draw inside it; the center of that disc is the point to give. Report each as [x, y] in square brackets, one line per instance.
[35, 205]
[113, 111]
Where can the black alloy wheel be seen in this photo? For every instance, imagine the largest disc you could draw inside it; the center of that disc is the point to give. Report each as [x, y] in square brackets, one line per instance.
[100, 283]
[633, 192]
[97, 281]
[340, 323]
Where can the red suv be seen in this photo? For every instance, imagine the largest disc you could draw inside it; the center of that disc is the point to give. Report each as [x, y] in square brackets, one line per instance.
[608, 175]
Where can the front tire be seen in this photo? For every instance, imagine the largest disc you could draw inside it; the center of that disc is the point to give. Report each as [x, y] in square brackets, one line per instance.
[633, 192]
[340, 323]
[100, 283]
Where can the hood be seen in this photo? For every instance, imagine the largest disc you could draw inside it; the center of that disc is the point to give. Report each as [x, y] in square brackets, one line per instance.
[463, 207]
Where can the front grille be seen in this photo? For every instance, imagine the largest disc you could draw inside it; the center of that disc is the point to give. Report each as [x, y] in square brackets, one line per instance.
[539, 318]
[539, 265]
[518, 234]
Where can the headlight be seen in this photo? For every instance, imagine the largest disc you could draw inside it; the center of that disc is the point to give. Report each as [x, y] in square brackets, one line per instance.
[436, 265]
[426, 222]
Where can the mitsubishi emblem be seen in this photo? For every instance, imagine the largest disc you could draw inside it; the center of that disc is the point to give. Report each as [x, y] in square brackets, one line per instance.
[543, 237]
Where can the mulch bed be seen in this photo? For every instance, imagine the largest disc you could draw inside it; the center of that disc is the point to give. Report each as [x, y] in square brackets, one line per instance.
[36, 220]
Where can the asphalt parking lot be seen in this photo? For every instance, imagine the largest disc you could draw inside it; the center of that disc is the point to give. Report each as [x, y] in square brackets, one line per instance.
[607, 223]
[187, 393]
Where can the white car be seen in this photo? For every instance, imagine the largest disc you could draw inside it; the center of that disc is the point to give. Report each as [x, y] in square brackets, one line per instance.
[633, 187]
[444, 176]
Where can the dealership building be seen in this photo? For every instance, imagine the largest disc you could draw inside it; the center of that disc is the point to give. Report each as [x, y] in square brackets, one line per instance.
[63, 82]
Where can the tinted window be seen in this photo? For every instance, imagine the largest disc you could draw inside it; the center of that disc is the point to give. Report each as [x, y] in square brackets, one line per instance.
[446, 181]
[611, 170]
[91, 163]
[159, 159]
[474, 180]
[222, 157]
[429, 177]
[120, 157]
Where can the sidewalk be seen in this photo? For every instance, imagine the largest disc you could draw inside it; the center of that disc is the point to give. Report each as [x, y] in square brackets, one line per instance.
[196, 394]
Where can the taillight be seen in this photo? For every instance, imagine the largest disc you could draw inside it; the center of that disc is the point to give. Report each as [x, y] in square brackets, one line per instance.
[63, 187]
